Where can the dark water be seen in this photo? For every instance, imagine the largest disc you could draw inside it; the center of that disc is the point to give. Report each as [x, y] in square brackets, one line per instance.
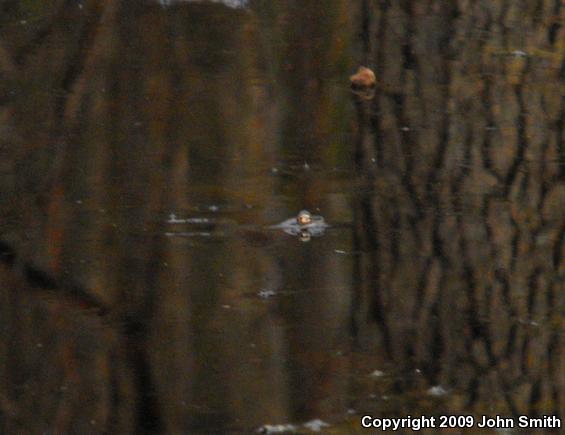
[147, 149]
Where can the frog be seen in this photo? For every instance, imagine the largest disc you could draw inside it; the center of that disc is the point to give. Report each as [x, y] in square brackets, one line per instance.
[304, 225]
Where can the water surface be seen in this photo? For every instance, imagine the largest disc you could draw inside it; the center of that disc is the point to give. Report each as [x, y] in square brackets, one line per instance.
[436, 289]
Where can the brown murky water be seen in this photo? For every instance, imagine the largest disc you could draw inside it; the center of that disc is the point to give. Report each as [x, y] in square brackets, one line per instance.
[149, 150]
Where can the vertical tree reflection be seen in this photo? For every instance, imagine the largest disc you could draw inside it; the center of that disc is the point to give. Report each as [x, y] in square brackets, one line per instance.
[114, 114]
[462, 230]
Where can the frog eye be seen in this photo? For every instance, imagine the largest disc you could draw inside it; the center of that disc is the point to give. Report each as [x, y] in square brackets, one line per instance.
[304, 217]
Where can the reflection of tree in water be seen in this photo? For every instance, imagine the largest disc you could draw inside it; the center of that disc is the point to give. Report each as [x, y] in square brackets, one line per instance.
[106, 133]
[462, 271]
[98, 115]
[460, 219]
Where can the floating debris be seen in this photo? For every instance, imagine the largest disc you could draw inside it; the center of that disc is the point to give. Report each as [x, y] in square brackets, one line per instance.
[174, 220]
[519, 53]
[277, 428]
[377, 374]
[266, 294]
[316, 425]
[437, 391]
